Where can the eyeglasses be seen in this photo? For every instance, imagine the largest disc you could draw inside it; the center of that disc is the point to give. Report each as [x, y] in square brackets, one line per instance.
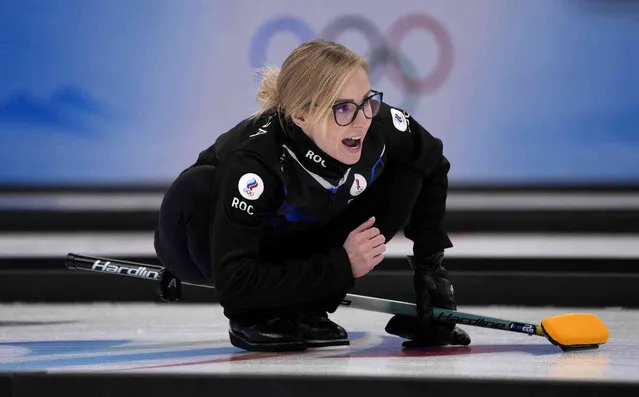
[346, 112]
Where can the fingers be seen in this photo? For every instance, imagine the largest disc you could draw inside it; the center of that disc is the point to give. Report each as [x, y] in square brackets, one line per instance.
[379, 251]
[368, 234]
[365, 225]
[377, 240]
[377, 260]
[365, 246]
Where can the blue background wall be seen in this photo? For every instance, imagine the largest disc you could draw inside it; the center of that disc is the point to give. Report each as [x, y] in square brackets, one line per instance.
[128, 92]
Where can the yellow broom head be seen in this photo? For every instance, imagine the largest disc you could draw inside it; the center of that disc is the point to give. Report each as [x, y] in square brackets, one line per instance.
[575, 330]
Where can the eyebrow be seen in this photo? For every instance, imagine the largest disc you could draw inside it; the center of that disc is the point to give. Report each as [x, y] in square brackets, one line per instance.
[368, 93]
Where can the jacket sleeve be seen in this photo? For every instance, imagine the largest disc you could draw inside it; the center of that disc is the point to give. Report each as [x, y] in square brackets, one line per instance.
[411, 145]
[247, 193]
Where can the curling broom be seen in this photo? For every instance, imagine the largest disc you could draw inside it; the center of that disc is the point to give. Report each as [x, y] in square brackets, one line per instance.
[568, 331]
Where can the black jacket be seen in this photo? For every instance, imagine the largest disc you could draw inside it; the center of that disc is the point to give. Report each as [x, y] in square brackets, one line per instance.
[274, 187]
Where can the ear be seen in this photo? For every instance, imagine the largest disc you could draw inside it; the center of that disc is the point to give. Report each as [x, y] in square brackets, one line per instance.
[299, 120]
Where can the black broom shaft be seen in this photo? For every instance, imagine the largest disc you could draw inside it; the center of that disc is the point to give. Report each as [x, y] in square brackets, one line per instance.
[153, 272]
[119, 267]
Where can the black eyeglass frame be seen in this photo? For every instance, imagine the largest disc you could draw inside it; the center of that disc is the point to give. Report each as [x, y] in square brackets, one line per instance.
[358, 107]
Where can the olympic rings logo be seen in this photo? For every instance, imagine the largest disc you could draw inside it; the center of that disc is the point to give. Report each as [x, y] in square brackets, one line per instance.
[384, 56]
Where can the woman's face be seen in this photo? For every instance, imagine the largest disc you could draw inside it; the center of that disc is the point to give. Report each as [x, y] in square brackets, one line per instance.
[343, 139]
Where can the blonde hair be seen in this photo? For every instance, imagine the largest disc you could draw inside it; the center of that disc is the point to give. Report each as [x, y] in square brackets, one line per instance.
[308, 81]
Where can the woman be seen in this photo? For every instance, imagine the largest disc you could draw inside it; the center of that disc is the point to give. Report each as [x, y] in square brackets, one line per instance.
[291, 205]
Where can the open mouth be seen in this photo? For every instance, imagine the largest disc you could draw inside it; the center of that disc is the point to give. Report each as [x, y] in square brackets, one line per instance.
[353, 143]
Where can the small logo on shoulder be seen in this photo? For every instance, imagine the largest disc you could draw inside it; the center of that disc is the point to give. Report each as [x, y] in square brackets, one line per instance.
[251, 186]
[399, 120]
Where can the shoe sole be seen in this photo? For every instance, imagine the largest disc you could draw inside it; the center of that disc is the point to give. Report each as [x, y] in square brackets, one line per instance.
[325, 343]
[238, 341]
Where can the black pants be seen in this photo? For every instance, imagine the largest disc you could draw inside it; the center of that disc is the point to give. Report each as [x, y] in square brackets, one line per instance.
[396, 199]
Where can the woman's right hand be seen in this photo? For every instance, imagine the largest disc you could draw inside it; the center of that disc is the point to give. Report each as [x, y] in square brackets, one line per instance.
[365, 247]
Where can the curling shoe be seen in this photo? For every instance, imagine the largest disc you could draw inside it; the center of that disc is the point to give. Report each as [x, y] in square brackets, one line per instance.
[318, 331]
[273, 335]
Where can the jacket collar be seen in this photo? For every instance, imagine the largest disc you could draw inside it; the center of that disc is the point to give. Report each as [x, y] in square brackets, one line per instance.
[310, 155]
